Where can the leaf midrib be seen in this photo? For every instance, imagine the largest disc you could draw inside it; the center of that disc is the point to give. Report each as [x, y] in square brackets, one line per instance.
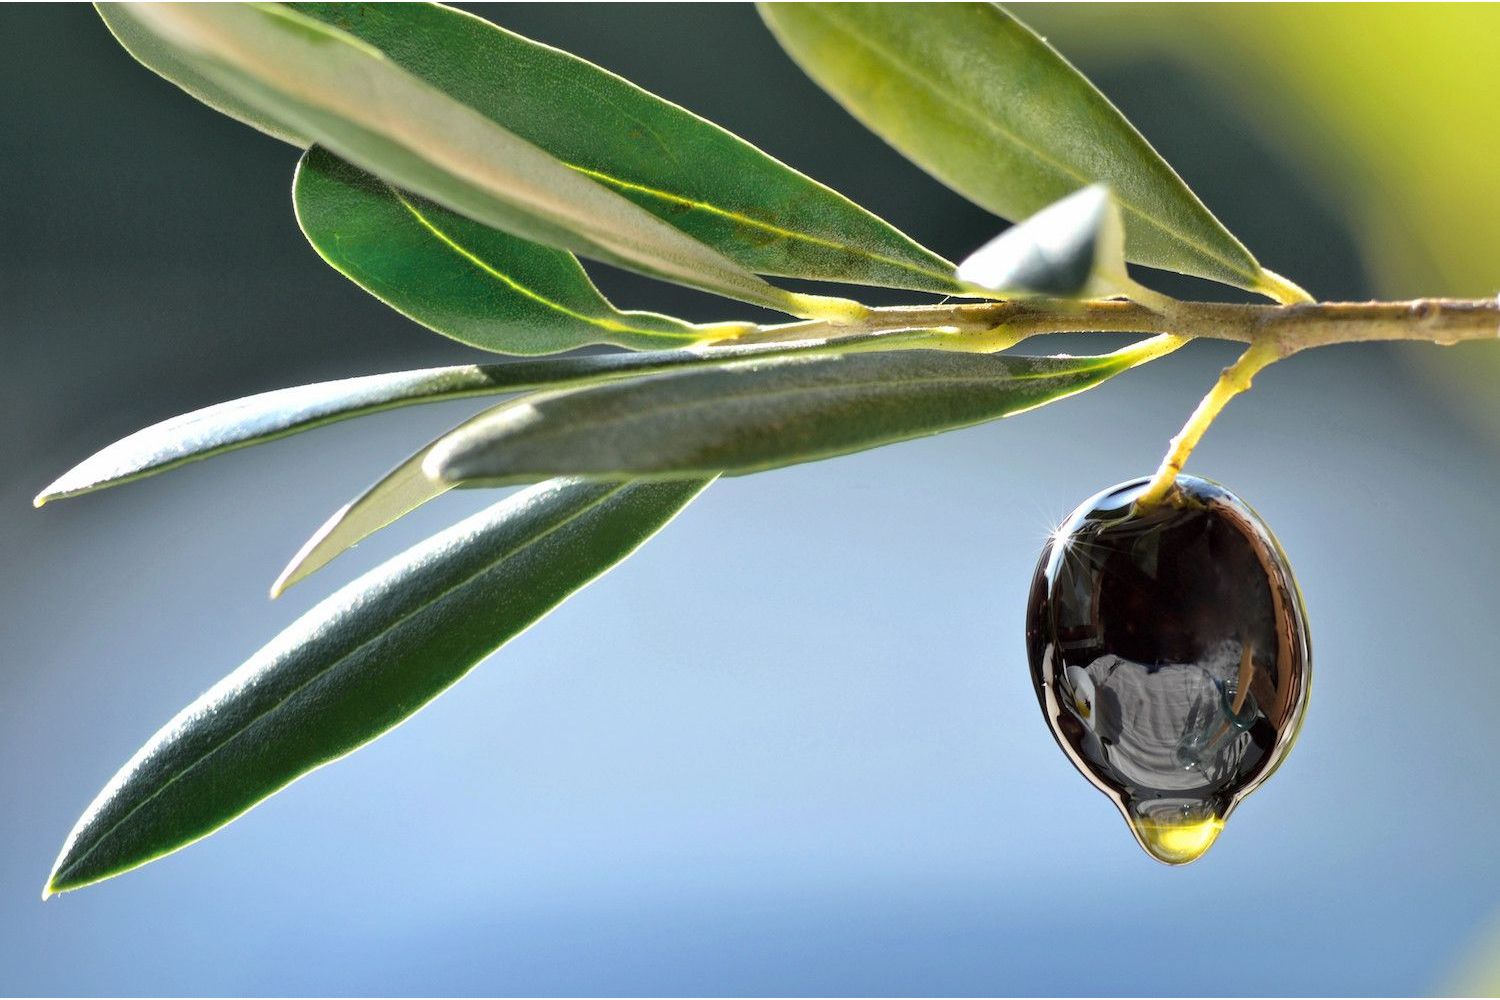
[646, 242]
[387, 630]
[453, 244]
[602, 93]
[754, 223]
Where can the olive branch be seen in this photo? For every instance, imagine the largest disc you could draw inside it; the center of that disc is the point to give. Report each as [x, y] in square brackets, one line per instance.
[460, 172]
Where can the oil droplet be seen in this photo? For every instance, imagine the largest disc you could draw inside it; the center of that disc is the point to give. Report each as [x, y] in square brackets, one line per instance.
[1177, 844]
[1170, 654]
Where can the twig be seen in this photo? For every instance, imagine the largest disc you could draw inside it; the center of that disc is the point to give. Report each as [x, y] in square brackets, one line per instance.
[1272, 331]
[970, 326]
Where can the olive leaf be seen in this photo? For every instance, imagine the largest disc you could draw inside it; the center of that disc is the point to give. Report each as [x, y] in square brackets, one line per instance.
[323, 84]
[164, 59]
[390, 498]
[987, 107]
[359, 663]
[1073, 248]
[269, 416]
[750, 416]
[690, 172]
[465, 280]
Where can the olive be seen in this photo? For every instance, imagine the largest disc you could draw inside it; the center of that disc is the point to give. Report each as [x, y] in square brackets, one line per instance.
[1170, 654]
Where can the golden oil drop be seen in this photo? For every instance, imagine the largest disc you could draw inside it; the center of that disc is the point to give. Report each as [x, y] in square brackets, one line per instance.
[1170, 654]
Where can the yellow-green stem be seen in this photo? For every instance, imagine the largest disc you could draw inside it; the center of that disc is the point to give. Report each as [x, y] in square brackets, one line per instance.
[1272, 332]
[1232, 381]
[1295, 327]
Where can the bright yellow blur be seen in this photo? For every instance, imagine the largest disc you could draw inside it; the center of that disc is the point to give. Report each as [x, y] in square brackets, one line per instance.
[1393, 108]
[1391, 111]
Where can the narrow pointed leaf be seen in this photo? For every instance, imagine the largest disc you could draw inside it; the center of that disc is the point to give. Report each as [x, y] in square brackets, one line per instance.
[1070, 249]
[985, 105]
[393, 496]
[517, 297]
[268, 416]
[329, 87]
[459, 277]
[674, 164]
[690, 172]
[360, 663]
[751, 416]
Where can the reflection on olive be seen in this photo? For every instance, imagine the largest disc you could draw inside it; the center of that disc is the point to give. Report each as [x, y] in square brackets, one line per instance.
[1169, 650]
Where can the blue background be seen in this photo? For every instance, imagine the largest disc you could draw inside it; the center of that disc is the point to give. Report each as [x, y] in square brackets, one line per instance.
[790, 746]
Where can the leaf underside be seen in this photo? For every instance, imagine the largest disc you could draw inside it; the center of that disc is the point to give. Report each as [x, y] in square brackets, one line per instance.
[751, 416]
[269, 416]
[690, 172]
[329, 87]
[387, 500]
[360, 663]
[1070, 249]
[725, 195]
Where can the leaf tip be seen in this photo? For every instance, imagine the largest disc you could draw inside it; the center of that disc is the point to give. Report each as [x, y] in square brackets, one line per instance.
[58, 883]
[312, 556]
[298, 569]
[56, 886]
[64, 486]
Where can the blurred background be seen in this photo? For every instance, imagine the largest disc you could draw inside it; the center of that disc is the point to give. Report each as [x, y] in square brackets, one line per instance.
[790, 747]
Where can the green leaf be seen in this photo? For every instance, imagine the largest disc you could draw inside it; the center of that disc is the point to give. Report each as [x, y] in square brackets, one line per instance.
[1073, 248]
[358, 664]
[392, 497]
[327, 86]
[163, 59]
[688, 171]
[987, 107]
[755, 415]
[268, 416]
[465, 280]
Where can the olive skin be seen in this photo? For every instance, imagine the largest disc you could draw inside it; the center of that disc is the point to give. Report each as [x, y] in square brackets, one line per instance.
[1170, 654]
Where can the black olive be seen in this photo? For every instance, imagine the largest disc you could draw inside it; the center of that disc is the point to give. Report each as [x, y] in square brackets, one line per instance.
[1170, 653]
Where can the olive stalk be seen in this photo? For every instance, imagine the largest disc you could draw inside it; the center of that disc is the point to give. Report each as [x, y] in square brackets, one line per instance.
[1232, 381]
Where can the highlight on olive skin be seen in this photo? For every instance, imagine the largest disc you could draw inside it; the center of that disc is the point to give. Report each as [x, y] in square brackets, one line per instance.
[1170, 653]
